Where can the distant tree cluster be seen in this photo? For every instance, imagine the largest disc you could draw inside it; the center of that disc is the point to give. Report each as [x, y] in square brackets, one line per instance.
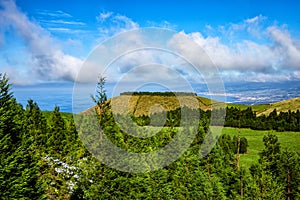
[284, 121]
[234, 117]
[165, 94]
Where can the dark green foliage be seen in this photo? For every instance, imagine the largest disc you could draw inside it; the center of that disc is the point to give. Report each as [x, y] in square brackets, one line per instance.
[230, 145]
[289, 175]
[277, 174]
[35, 124]
[270, 155]
[18, 166]
[284, 121]
[166, 94]
[57, 133]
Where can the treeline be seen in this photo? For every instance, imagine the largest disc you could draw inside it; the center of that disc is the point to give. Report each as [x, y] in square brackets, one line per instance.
[284, 121]
[229, 117]
[165, 94]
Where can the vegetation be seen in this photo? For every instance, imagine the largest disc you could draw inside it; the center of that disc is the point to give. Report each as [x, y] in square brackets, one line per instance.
[42, 155]
[141, 103]
[164, 94]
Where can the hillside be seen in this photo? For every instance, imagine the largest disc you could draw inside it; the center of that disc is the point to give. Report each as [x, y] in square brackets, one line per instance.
[266, 109]
[282, 106]
[145, 104]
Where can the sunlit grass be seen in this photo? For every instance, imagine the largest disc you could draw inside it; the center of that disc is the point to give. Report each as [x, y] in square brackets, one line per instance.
[288, 140]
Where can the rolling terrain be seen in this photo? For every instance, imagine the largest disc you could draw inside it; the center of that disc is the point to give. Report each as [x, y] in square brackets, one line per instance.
[140, 105]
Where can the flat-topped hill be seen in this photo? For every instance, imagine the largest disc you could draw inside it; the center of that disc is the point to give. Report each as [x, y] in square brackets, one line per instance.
[145, 103]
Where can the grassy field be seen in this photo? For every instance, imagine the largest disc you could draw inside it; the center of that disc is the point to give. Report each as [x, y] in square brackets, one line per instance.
[288, 140]
[140, 105]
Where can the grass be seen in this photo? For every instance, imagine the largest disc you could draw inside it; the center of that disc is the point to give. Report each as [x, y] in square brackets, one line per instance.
[145, 104]
[282, 106]
[288, 140]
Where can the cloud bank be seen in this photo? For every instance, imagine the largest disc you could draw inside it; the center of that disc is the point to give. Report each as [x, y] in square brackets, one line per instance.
[276, 58]
[47, 61]
[252, 50]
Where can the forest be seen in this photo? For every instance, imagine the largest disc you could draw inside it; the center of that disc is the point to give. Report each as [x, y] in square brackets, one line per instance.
[284, 121]
[43, 155]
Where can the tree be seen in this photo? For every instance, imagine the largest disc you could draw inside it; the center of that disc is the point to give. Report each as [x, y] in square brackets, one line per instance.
[18, 167]
[35, 124]
[100, 96]
[99, 100]
[57, 133]
[270, 154]
[289, 174]
[262, 184]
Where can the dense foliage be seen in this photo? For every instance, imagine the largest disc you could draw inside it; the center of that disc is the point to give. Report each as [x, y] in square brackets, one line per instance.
[283, 121]
[42, 157]
[166, 94]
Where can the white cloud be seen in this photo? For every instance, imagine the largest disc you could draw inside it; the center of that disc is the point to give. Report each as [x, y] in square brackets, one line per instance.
[48, 61]
[103, 16]
[57, 13]
[64, 22]
[285, 48]
[278, 56]
[255, 19]
[112, 24]
[162, 24]
[60, 22]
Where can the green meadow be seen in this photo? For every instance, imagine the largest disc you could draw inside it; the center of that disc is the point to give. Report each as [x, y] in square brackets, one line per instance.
[287, 140]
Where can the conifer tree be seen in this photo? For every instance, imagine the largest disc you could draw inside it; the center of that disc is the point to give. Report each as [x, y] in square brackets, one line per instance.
[57, 132]
[35, 124]
[18, 168]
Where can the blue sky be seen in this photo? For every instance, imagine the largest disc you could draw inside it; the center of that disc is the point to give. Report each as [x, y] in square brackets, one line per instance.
[256, 41]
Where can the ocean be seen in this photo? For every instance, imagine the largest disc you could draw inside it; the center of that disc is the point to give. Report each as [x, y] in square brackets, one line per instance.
[47, 95]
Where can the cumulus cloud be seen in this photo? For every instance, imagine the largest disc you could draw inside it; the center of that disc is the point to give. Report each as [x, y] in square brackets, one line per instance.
[48, 61]
[278, 56]
[285, 47]
[244, 56]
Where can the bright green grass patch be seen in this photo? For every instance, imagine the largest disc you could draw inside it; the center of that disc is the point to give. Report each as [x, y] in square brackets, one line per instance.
[288, 140]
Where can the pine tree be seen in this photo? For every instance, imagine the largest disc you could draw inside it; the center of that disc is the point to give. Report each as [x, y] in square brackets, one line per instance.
[35, 124]
[270, 154]
[57, 133]
[289, 173]
[101, 108]
[18, 167]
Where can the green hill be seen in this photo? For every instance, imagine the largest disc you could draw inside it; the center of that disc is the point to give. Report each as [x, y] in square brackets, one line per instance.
[282, 106]
[147, 103]
[266, 109]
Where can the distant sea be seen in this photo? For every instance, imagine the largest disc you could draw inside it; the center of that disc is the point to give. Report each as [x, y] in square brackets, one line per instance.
[47, 95]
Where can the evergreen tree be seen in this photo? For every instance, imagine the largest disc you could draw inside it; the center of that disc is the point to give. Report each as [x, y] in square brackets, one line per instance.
[57, 133]
[289, 174]
[270, 154]
[18, 167]
[35, 124]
